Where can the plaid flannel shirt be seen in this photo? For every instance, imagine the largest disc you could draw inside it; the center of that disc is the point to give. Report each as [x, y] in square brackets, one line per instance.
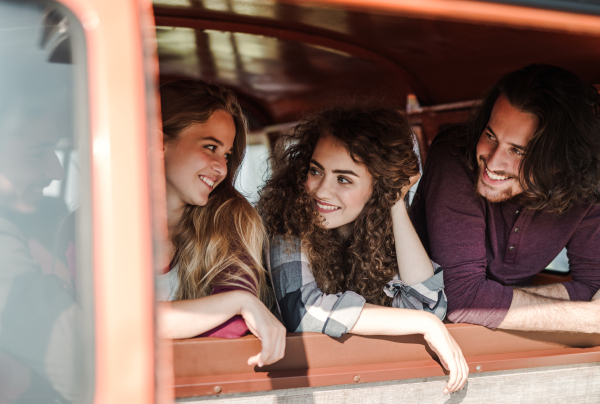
[304, 308]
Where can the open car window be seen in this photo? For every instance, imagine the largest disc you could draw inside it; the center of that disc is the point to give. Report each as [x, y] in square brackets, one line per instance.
[46, 332]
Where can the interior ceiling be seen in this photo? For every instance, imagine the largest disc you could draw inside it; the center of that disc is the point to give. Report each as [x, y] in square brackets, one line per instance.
[285, 59]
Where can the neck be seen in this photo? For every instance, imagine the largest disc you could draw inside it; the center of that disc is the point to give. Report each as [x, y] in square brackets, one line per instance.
[346, 230]
[175, 208]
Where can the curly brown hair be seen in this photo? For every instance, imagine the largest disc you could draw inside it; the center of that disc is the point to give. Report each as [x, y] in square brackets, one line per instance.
[378, 138]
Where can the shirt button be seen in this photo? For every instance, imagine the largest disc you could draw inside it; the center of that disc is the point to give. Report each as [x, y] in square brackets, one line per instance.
[517, 230]
[512, 248]
[517, 212]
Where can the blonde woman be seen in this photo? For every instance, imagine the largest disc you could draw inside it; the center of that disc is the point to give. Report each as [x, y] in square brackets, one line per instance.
[215, 285]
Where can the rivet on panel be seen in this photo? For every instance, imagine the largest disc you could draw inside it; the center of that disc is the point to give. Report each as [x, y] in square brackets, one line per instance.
[357, 378]
[217, 389]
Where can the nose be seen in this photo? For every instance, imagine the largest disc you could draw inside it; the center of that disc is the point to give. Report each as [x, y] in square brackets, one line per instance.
[494, 160]
[324, 190]
[219, 164]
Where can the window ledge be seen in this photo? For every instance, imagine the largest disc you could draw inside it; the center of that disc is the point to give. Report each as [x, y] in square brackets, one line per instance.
[209, 366]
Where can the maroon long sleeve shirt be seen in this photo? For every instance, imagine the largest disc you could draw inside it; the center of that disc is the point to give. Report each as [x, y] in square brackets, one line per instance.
[486, 247]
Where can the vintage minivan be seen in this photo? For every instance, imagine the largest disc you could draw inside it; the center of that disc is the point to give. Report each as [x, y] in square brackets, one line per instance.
[80, 138]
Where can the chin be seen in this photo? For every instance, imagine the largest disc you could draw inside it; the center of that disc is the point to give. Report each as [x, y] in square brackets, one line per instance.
[493, 195]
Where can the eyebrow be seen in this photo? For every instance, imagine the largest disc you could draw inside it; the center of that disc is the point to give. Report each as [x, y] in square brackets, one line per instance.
[349, 172]
[217, 141]
[516, 146]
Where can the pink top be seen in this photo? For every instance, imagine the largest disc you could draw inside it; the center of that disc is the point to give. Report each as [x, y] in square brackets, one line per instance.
[235, 327]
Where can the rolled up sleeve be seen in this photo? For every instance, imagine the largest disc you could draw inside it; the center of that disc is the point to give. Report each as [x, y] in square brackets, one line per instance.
[426, 296]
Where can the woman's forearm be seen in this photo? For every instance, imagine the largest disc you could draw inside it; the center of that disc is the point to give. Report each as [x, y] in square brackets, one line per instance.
[413, 263]
[379, 320]
[188, 318]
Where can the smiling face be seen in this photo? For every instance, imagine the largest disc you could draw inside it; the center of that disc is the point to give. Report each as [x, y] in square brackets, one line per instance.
[28, 164]
[340, 188]
[196, 161]
[500, 150]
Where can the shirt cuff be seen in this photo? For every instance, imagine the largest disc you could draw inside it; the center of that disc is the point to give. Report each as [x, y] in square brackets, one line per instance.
[344, 314]
[427, 296]
[578, 291]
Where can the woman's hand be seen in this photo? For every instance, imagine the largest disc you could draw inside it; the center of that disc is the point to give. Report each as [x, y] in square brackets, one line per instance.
[450, 354]
[400, 202]
[265, 326]
[188, 318]
[411, 181]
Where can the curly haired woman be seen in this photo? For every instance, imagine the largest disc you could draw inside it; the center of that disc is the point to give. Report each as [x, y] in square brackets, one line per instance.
[343, 254]
[216, 284]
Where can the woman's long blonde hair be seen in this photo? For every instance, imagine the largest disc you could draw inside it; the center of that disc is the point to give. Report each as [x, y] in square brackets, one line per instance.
[219, 244]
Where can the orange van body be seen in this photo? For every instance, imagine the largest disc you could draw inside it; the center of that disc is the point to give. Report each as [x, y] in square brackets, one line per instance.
[128, 183]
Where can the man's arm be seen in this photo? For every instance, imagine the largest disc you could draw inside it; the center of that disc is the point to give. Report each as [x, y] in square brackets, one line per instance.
[450, 221]
[555, 291]
[530, 312]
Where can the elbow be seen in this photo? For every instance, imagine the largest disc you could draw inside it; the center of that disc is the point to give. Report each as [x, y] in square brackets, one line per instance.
[453, 315]
[456, 312]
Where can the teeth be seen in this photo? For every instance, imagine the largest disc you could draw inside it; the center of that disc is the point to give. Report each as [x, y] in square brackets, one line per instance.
[494, 176]
[328, 207]
[207, 181]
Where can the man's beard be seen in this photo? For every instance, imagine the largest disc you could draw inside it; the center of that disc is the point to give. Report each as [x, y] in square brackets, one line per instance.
[487, 192]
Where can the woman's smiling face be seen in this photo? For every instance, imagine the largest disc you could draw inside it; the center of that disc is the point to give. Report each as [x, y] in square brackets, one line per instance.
[339, 186]
[196, 161]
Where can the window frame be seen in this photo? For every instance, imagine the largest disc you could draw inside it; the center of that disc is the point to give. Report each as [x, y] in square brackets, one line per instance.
[228, 373]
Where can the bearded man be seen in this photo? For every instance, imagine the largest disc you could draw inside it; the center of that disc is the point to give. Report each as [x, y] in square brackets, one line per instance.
[504, 194]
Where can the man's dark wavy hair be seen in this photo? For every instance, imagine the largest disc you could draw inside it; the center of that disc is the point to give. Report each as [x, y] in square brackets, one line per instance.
[562, 160]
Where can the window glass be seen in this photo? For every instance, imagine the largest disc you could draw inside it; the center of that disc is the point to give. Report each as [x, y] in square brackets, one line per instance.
[560, 263]
[255, 170]
[46, 332]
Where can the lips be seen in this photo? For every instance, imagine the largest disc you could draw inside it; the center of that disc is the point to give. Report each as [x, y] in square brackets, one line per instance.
[323, 207]
[208, 181]
[493, 178]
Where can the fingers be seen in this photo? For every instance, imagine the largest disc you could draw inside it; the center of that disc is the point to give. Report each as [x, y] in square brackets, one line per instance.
[459, 370]
[276, 343]
[269, 345]
[253, 360]
[452, 359]
[454, 377]
[272, 335]
[280, 347]
[413, 180]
